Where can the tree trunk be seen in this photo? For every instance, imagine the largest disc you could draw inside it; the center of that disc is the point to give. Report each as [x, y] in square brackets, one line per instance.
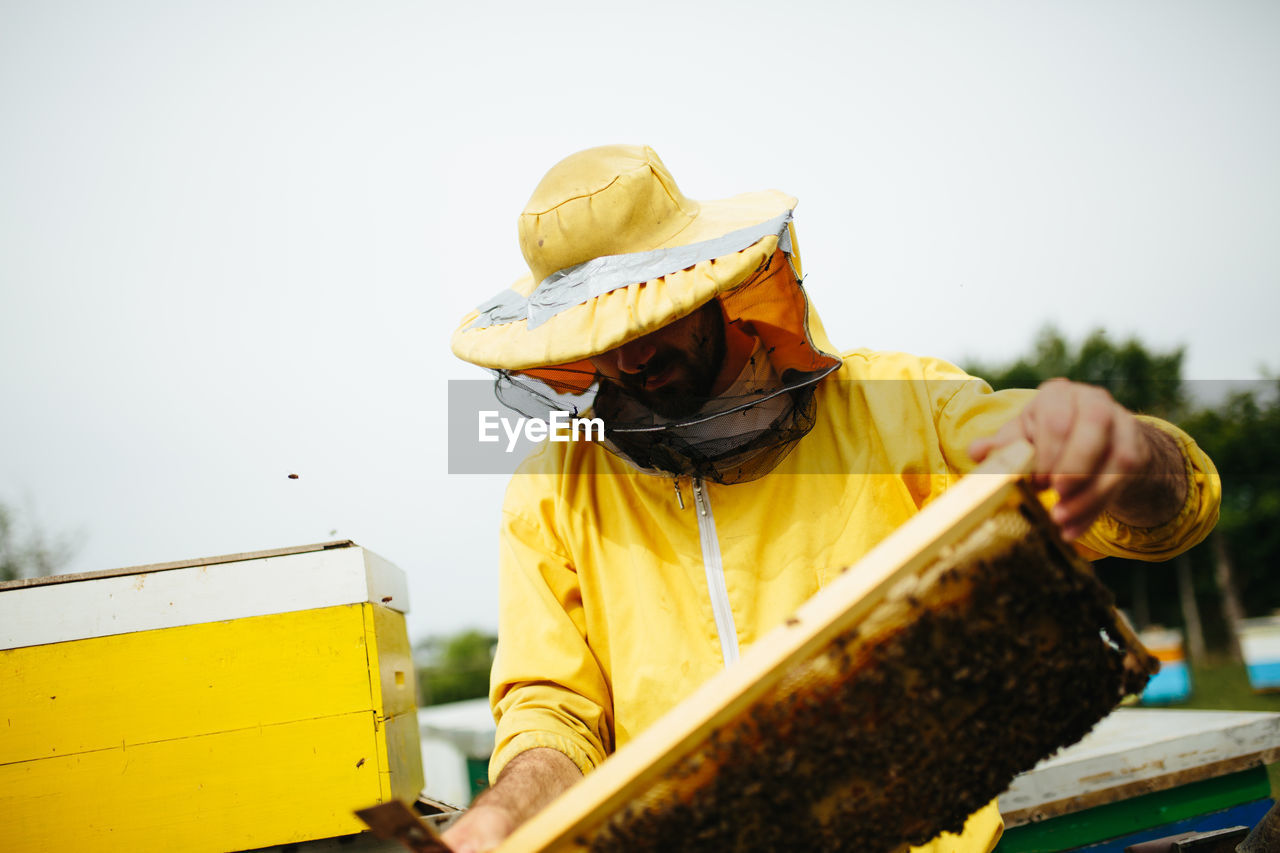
[1141, 602]
[1190, 612]
[1232, 609]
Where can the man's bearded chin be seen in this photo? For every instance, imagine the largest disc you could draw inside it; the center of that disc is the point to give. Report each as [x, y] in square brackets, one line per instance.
[684, 394]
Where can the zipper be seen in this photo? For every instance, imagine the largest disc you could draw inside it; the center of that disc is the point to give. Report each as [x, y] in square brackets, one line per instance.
[714, 566]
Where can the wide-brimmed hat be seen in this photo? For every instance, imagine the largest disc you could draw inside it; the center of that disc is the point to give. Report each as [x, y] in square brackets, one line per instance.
[615, 251]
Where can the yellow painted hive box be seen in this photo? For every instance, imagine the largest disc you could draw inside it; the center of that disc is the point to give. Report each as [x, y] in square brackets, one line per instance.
[219, 704]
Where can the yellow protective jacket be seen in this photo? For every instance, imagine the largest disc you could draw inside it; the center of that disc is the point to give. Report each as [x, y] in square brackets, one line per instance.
[616, 602]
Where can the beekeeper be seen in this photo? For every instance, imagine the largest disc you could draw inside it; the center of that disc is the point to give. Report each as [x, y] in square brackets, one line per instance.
[746, 462]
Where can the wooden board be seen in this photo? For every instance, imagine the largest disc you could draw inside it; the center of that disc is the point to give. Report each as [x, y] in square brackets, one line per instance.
[395, 820]
[1137, 751]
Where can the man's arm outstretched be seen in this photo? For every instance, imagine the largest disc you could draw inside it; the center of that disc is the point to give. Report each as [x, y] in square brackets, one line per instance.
[528, 782]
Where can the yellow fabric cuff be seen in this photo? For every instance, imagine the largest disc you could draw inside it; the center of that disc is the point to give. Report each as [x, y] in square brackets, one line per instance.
[526, 741]
[1199, 513]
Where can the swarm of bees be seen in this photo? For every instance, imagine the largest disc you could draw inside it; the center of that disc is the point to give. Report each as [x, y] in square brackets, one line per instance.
[1003, 650]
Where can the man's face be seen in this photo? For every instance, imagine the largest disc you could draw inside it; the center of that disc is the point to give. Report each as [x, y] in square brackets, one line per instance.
[670, 370]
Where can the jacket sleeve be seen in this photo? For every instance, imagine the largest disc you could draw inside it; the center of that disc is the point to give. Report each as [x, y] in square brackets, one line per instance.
[546, 687]
[1113, 538]
[971, 410]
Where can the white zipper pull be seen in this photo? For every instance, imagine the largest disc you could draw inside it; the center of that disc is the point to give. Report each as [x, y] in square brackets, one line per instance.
[697, 496]
[679, 497]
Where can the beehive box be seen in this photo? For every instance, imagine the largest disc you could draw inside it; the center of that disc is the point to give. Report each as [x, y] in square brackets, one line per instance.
[1260, 646]
[1173, 682]
[218, 704]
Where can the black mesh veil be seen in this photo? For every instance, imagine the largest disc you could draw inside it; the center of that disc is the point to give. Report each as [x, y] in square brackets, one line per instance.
[733, 439]
[741, 443]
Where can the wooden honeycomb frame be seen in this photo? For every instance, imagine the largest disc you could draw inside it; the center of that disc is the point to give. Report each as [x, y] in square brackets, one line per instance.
[898, 700]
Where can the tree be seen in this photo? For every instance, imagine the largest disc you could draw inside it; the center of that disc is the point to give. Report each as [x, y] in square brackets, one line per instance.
[1242, 436]
[25, 550]
[457, 667]
[1141, 380]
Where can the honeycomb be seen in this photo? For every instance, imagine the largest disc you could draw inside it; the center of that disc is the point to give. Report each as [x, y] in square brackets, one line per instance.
[966, 673]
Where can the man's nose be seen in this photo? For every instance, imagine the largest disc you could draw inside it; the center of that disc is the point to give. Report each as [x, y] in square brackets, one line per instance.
[633, 356]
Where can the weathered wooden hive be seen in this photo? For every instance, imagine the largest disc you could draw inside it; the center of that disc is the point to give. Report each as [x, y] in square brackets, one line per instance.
[902, 698]
[218, 704]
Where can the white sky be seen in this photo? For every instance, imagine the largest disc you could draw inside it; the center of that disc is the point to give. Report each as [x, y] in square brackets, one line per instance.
[236, 236]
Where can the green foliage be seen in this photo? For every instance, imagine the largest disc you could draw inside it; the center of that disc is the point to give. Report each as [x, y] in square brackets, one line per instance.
[1242, 436]
[25, 551]
[1139, 379]
[456, 667]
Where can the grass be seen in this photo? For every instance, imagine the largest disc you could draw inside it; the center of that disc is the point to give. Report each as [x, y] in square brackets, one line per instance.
[1222, 684]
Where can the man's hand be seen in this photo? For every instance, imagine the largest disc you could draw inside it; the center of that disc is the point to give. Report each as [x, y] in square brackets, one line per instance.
[483, 827]
[528, 782]
[1097, 456]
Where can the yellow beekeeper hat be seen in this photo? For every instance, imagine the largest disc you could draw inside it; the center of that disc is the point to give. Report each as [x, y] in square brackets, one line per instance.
[615, 251]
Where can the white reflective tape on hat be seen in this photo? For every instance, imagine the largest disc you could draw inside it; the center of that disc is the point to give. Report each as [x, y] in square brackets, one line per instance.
[577, 284]
[507, 307]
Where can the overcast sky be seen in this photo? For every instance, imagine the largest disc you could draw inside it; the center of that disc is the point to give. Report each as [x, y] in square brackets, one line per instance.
[236, 236]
